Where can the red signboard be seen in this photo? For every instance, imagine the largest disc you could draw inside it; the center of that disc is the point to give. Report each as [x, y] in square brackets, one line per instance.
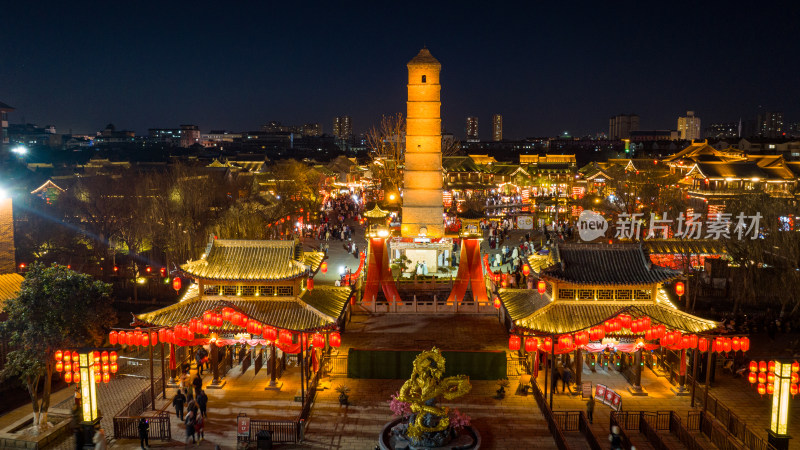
[243, 426]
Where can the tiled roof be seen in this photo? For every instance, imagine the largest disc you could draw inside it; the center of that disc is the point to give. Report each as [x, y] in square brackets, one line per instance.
[681, 246]
[248, 260]
[315, 309]
[376, 213]
[737, 169]
[9, 286]
[521, 303]
[313, 259]
[604, 264]
[424, 57]
[459, 164]
[570, 316]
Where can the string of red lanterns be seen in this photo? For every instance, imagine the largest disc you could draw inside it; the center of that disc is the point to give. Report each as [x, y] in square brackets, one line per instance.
[202, 325]
[762, 374]
[105, 363]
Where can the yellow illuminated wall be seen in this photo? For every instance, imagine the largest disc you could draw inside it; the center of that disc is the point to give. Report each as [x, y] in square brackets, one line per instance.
[422, 178]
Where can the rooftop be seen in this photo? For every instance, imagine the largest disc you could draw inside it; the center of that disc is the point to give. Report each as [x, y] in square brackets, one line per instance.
[603, 264]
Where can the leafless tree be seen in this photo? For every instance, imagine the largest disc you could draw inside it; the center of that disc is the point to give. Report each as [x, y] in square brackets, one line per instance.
[387, 147]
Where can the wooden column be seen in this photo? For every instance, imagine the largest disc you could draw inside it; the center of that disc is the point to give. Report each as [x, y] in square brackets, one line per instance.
[214, 363]
[302, 373]
[163, 373]
[708, 377]
[152, 383]
[695, 362]
[552, 369]
[578, 367]
[173, 373]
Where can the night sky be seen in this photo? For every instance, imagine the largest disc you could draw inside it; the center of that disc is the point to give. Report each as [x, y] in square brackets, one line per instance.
[547, 69]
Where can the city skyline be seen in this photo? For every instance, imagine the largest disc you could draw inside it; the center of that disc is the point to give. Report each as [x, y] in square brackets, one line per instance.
[549, 75]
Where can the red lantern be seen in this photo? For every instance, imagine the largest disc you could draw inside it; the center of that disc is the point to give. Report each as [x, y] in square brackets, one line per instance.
[770, 377]
[565, 341]
[145, 339]
[745, 344]
[310, 284]
[112, 356]
[548, 344]
[497, 302]
[793, 389]
[762, 388]
[113, 338]
[762, 377]
[771, 366]
[693, 341]
[153, 338]
[105, 367]
[762, 366]
[75, 357]
[68, 377]
[106, 377]
[318, 340]
[702, 344]
[727, 345]
[770, 388]
[76, 376]
[162, 335]
[114, 367]
[104, 357]
[680, 288]
[59, 355]
[324, 266]
[686, 341]
[541, 286]
[526, 270]
[514, 342]
[625, 320]
[334, 339]
[795, 367]
[794, 378]
[531, 344]
[736, 344]
[753, 366]
[270, 334]
[204, 329]
[648, 334]
[59, 366]
[122, 338]
[752, 377]
[236, 318]
[226, 314]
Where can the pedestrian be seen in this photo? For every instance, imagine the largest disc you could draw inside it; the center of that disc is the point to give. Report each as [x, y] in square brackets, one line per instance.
[590, 408]
[199, 425]
[554, 381]
[198, 357]
[144, 428]
[566, 379]
[202, 402]
[615, 439]
[178, 401]
[189, 422]
[198, 384]
[99, 439]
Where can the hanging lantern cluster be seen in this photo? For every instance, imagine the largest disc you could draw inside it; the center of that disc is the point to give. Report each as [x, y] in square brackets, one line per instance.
[67, 362]
[105, 363]
[762, 374]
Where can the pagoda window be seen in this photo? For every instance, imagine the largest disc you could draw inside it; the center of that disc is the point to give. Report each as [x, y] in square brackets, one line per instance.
[642, 294]
[624, 294]
[248, 291]
[285, 291]
[266, 290]
[211, 290]
[566, 294]
[229, 290]
[605, 294]
[586, 294]
[423, 78]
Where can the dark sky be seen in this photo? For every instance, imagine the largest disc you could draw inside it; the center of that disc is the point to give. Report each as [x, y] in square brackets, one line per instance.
[238, 64]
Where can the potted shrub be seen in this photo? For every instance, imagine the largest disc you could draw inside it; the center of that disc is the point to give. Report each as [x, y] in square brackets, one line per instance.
[343, 398]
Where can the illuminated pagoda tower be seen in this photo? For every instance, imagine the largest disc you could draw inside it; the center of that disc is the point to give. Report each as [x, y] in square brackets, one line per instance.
[422, 178]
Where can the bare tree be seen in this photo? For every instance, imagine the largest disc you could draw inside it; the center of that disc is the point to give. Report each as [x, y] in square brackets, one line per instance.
[387, 147]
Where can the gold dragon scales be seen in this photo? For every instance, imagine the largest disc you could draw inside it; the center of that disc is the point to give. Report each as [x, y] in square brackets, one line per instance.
[423, 389]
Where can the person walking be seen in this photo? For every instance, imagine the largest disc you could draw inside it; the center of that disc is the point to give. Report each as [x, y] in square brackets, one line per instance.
[178, 401]
[590, 408]
[99, 439]
[189, 422]
[197, 383]
[199, 425]
[566, 379]
[202, 402]
[615, 439]
[144, 428]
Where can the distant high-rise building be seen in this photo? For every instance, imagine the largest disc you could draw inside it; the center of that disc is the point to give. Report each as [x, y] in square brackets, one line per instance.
[770, 124]
[472, 129]
[497, 127]
[689, 126]
[620, 127]
[312, 129]
[724, 130]
[4, 110]
[342, 127]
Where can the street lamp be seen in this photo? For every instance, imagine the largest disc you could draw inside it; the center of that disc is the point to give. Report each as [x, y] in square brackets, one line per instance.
[778, 379]
[20, 150]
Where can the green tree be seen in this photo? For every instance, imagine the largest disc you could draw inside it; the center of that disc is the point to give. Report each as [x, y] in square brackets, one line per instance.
[56, 308]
